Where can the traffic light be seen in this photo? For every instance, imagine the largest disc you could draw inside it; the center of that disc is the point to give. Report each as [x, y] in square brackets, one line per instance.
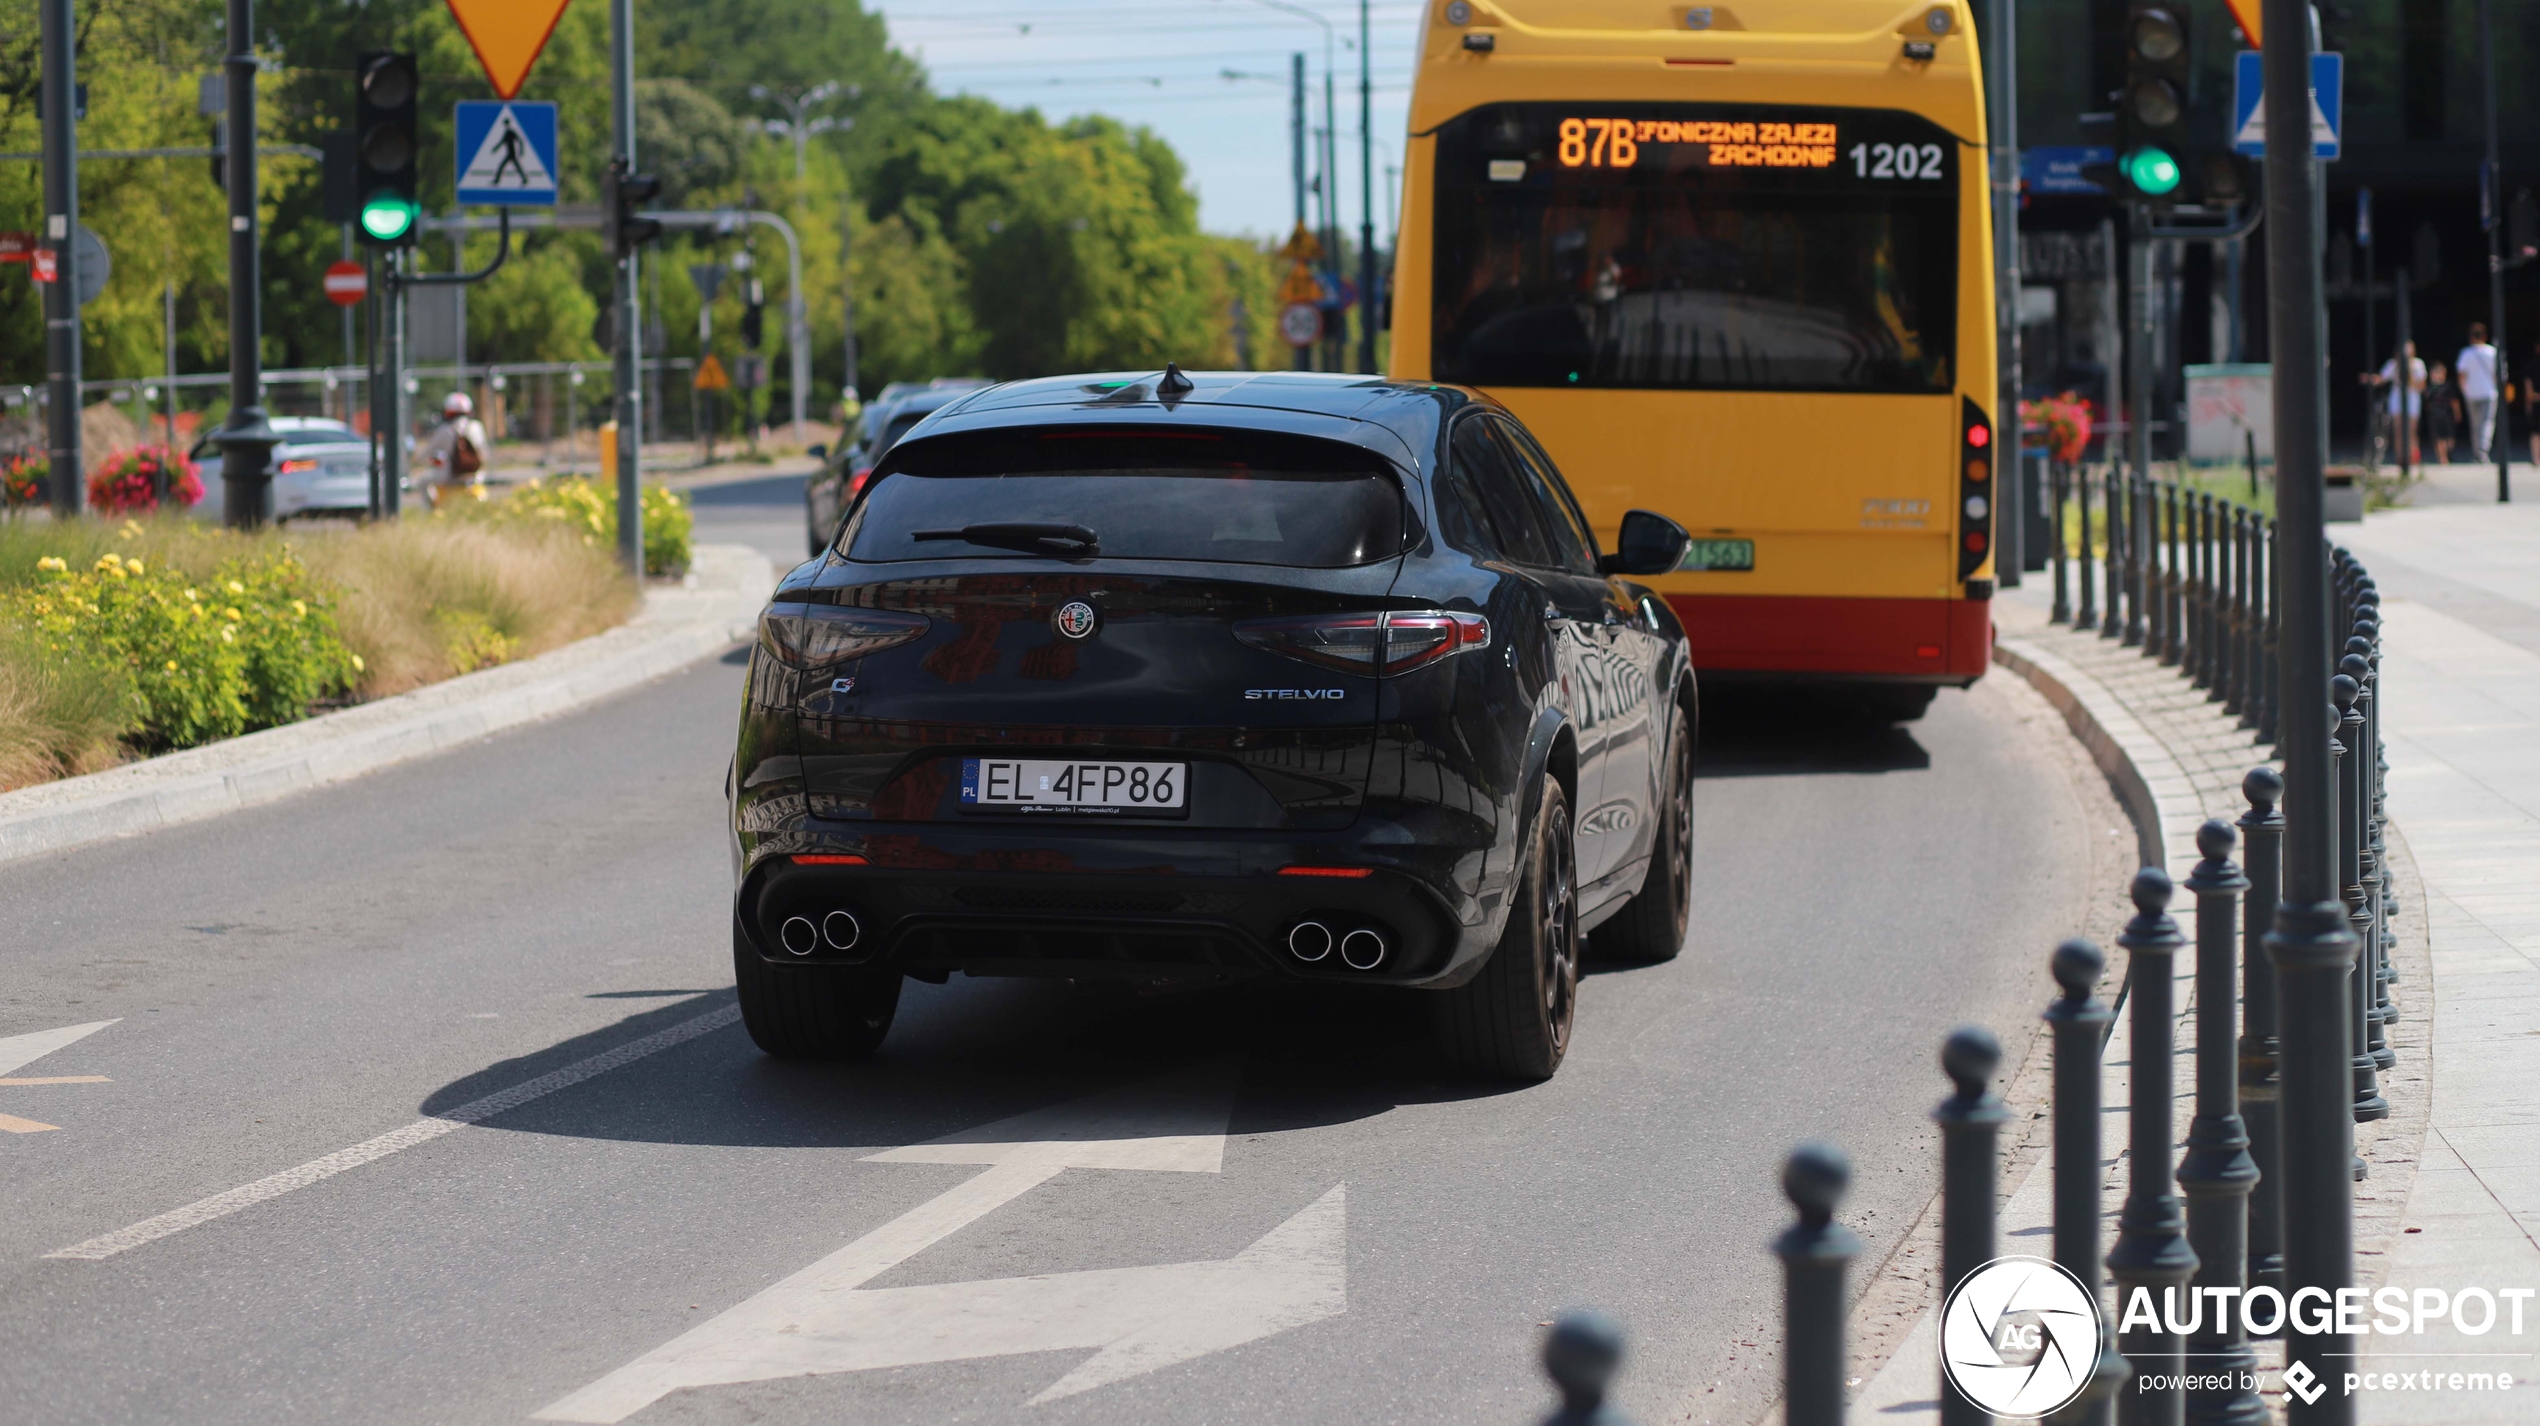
[385, 144]
[624, 195]
[754, 316]
[2152, 108]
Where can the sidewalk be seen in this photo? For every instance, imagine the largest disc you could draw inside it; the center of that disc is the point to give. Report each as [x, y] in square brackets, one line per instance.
[2460, 585]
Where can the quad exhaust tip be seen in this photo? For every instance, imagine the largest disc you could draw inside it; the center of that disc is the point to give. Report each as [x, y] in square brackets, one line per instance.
[1310, 941]
[799, 935]
[1363, 949]
[839, 930]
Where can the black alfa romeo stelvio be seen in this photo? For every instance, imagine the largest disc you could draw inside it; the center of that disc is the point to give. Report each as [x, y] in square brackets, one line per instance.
[1167, 677]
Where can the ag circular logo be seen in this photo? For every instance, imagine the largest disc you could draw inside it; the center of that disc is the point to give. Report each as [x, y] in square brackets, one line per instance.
[1075, 619]
[2019, 1337]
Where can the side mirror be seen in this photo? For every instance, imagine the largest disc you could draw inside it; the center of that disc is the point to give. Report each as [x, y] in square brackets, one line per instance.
[1652, 544]
[817, 452]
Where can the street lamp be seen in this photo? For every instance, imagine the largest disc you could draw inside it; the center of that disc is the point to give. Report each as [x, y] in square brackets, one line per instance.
[797, 124]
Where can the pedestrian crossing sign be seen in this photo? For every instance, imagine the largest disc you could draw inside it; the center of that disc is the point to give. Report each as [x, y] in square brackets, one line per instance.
[507, 153]
[2249, 110]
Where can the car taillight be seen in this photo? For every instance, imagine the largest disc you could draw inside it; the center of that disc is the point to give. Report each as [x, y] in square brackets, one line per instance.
[855, 482]
[817, 635]
[1381, 644]
[294, 467]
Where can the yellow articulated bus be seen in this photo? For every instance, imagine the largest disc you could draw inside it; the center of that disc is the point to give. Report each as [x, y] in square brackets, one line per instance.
[1732, 263]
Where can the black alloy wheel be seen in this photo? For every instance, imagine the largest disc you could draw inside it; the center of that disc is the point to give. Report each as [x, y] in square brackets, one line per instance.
[1652, 928]
[1512, 1020]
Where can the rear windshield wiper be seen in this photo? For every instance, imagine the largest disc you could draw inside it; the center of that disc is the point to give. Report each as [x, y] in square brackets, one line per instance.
[1030, 536]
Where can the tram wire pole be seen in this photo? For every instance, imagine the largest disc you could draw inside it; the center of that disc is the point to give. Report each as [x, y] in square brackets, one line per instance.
[2312, 946]
[626, 359]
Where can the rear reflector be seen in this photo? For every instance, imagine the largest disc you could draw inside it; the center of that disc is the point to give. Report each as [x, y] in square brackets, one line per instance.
[1927, 651]
[1350, 872]
[826, 859]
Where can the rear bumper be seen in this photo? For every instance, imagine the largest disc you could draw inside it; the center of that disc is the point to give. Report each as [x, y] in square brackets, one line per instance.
[1911, 640]
[931, 900]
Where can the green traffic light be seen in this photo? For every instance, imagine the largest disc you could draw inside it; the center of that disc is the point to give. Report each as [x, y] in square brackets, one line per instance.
[387, 217]
[2152, 171]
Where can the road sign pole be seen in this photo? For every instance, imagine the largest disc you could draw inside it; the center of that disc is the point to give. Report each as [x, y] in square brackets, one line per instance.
[625, 359]
[2312, 944]
[61, 229]
[247, 440]
[2001, 71]
[1366, 200]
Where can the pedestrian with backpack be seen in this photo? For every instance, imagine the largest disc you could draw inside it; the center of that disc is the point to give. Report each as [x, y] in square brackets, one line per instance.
[454, 454]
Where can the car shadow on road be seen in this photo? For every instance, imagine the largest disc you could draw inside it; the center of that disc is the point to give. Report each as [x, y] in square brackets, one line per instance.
[973, 1051]
[1779, 730]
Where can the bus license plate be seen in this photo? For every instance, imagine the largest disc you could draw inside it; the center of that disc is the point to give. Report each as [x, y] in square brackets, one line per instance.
[1719, 554]
[1098, 789]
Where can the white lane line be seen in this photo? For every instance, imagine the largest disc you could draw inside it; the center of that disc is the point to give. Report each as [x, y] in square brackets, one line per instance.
[422, 1131]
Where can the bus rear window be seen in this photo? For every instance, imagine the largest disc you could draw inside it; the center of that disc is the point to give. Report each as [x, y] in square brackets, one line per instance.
[1705, 247]
[1233, 497]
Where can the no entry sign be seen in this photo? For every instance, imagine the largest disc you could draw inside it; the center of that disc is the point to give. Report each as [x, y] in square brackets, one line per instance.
[346, 283]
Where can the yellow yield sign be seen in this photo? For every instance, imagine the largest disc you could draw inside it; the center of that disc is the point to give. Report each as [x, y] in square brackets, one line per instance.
[507, 36]
[710, 375]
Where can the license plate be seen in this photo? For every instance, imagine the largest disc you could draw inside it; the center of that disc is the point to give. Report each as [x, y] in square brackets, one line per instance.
[1093, 788]
[1718, 554]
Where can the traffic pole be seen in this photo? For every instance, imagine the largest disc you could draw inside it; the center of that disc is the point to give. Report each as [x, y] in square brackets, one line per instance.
[2001, 115]
[60, 87]
[2311, 944]
[2492, 215]
[1366, 200]
[626, 359]
[247, 439]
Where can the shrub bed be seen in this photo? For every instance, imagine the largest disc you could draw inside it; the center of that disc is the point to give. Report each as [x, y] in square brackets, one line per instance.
[162, 634]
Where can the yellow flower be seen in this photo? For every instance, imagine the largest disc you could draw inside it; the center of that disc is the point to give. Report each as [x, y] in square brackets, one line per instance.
[232, 614]
[53, 564]
[236, 588]
[131, 530]
[133, 565]
[358, 665]
[299, 609]
[171, 665]
[229, 636]
[192, 593]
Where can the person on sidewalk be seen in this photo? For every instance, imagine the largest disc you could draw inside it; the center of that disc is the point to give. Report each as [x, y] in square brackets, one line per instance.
[2442, 413]
[2477, 368]
[453, 456]
[2406, 401]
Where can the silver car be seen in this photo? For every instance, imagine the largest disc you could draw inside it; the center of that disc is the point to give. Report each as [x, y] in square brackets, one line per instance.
[322, 467]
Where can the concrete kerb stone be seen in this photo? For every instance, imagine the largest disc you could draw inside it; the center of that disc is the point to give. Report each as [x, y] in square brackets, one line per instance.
[2155, 789]
[715, 605]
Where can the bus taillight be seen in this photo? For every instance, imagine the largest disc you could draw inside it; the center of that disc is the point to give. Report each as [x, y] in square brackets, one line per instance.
[1975, 497]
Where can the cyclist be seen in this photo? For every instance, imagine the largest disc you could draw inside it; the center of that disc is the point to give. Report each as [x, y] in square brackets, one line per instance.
[454, 454]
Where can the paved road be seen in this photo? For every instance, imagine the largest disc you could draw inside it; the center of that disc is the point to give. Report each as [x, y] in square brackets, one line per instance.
[1376, 1242]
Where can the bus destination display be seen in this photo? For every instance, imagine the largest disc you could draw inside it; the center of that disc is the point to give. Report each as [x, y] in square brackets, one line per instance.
[1741, 143]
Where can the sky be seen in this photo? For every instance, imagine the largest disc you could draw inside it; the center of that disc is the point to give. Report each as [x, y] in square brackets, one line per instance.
[1164, 64]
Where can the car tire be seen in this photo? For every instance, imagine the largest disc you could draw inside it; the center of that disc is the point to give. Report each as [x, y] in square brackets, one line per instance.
[1512, 1020]
[1651, 927]
[1898, 702]
[813, 1012]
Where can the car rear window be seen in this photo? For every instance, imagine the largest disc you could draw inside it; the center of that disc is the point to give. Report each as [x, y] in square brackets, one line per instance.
[1235, 497]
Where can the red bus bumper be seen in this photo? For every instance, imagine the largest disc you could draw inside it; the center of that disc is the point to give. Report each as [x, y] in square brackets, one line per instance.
[1920, 640]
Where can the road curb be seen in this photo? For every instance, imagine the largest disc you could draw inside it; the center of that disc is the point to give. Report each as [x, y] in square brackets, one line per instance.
[2156, 791]
[716, 606]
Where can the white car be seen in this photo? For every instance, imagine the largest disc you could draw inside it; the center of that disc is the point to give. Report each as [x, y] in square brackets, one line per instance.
[322, 467]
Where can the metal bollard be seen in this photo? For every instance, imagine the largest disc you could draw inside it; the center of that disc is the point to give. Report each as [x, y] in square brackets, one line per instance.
[2217, 1172]
[2160, 633]
[2088, 618]
[2236, 654]
[1580, 1355]
[2138, 556]
[2152, 1253]
[2271, 644]
[2348, 764]
[2118, 520]
[1814, 1252]
[2057, 477]
[1970, 1124]
[2368, 853]
[2080, 1022]
[2209, 623]
[2262, 831]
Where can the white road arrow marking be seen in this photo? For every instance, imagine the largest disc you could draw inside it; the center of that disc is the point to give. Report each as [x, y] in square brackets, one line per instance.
[19, 1051]
[817, 1322]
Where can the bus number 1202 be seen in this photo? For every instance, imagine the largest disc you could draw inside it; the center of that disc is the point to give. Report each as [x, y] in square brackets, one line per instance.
[1896, 161]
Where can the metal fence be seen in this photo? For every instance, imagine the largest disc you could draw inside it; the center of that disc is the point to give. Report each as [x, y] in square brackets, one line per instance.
[2256, 1202]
